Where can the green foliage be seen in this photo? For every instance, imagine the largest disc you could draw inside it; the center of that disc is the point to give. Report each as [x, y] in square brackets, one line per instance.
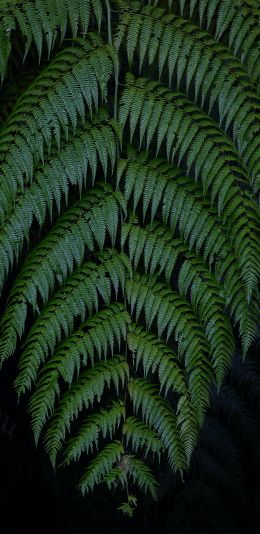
[129, 223]
[42, 22]
[128, 507]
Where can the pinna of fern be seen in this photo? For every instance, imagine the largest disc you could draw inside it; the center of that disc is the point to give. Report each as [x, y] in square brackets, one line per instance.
[135, 195]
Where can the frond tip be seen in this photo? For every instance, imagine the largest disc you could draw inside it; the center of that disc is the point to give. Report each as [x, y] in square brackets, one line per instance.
[101, 466]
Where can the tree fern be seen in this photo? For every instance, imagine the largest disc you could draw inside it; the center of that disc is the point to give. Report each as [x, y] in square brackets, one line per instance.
[129, 223]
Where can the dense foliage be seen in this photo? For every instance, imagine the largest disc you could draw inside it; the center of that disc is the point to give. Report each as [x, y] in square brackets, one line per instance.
[129, 173]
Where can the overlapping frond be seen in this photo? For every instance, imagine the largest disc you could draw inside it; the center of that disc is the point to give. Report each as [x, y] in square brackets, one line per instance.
[101, 423]
[156, 357]
[76, 79]
[161, 188]
[168, 117]
[173, 314]
[158, 415]
[159, 249]
[96, 338]
[90, 145]
[238, 19]
[159, 360]
[101, 466]
[42, 23]
[89, 386]
[79, 295]
[136, 200]
[140, 436]
[143, 477]
[112, 465]
[56, 257]
[204, 66]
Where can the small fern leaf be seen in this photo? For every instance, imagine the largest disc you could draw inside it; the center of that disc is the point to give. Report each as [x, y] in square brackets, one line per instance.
[140, 436]
[101, 466]
[156, 357]
[100, 424]
[90, 385]
[95, 338]
[158, 414]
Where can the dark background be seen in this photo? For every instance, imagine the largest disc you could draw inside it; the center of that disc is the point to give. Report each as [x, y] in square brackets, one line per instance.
[220, 494]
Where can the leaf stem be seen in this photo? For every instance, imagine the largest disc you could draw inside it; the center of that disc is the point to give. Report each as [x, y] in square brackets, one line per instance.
[109, 29]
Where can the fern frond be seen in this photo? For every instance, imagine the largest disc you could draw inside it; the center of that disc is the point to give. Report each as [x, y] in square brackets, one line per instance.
[156, 357]
[66, 243]
[82, 394]
[158, 248]
[76, 78]
[205, 299]
[235, 204]
[154, 244]
[162, 189]
[172, 313]
[103, 423]
[41, 22]
[79, 295]
[101, 466]
[201, 134]
[189, 424]
[140, 436]
[193, 55]
[143, 477]
[94, 338]
[239, 19]
[158, 414]
[130, 245]
[58, 254]
[129, 467]
[245, 313]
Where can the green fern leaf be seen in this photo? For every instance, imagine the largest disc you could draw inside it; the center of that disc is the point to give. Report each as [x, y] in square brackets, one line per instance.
[129, 231]
[90, 385]
[78, 296]
[101, 466]
[141, 436]
[69, 357]
[81, 71]
[158, 414]
[101, 423]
